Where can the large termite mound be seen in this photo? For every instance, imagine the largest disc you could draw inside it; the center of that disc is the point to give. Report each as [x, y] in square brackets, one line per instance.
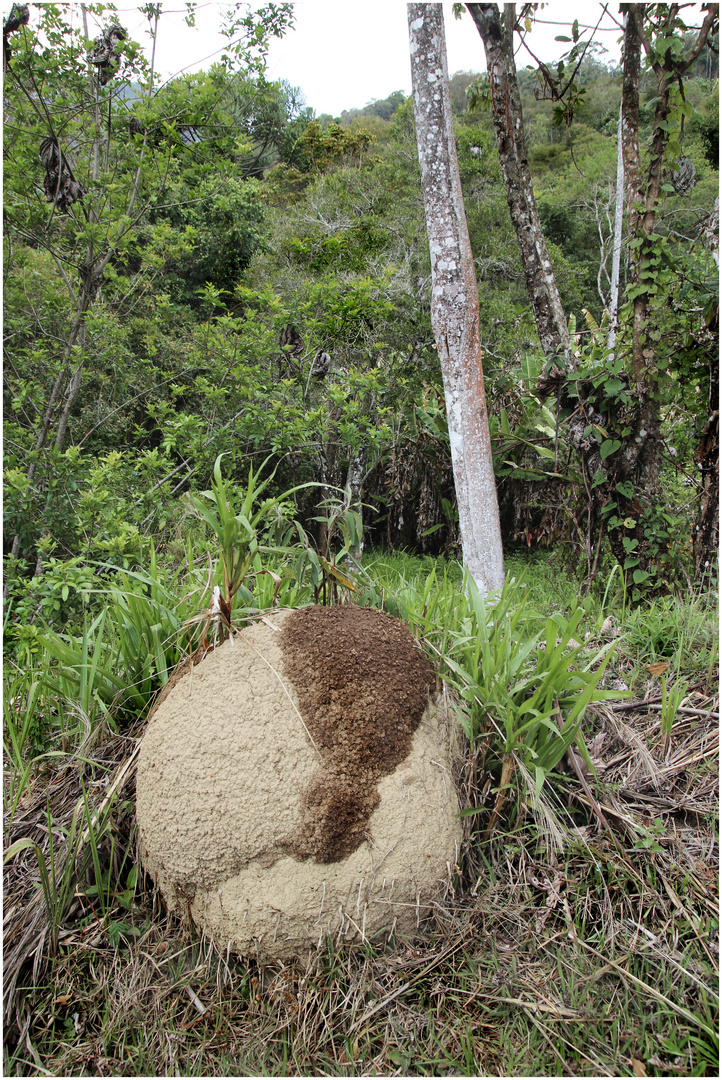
[296, 784]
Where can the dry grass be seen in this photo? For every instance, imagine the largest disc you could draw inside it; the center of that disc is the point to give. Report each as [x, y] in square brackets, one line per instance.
[597, 959]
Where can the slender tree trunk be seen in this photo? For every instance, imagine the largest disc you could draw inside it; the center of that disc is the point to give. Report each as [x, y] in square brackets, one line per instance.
[72, 396]
[642, 453]
[711, 233]
[639, 459]
[706, 455]
[540, 281]
[631, 70]
[647, 426]
[454, 300]
[354, 488]
[511, 144]
[617, 248]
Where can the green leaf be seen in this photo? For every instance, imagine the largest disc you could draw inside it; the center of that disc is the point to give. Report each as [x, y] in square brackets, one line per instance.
[17, 847]
[609, 447]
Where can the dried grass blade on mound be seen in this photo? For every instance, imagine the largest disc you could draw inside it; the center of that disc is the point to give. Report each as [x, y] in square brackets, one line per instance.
[283, 685]
[704, 747]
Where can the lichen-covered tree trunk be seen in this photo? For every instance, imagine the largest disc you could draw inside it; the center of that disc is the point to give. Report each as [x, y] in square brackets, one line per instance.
[454, 300]
[617, 248]
[635, 467]
[642, 451]
[629, 124]
[509, 128]
[706, 455]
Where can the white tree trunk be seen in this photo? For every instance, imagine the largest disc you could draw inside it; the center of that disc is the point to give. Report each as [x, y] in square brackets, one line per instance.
[617, 251]
[454, 301]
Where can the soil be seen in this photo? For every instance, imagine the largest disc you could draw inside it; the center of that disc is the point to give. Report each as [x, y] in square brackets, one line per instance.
[363, 685]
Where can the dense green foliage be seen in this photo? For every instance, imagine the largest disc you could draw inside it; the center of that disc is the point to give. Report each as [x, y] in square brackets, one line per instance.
[226, 237]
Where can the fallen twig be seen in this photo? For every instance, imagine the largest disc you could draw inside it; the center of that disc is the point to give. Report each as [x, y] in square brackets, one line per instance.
[629, 706]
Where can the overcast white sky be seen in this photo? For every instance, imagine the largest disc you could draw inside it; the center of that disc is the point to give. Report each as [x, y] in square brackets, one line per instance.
[343, 53]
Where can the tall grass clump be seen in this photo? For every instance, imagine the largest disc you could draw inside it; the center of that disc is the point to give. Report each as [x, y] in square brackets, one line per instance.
[522, 680]
[259, 527]
[526, 683]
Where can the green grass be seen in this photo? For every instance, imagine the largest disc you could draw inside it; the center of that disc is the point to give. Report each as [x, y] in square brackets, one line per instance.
[681, 630]
[585, 956]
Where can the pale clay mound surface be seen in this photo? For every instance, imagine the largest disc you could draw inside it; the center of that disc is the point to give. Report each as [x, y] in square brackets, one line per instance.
[220, 775]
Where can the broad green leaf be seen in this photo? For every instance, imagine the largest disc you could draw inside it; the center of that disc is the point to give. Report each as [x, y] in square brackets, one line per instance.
[609, 446]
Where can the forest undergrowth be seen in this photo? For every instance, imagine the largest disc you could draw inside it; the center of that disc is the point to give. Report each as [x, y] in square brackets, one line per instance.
[580, 934]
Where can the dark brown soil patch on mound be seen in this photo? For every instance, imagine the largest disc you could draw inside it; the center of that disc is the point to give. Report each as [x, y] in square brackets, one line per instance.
[363, 685]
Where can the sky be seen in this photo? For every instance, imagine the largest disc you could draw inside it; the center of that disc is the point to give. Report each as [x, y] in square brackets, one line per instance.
[344, 54]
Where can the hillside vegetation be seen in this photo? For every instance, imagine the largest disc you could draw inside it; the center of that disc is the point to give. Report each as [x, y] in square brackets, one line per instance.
[219, 370]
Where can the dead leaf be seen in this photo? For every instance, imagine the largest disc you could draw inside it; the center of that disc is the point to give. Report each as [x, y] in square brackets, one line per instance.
[638, 1067]
[659, 668]
[553, 889]
[595, 746]
[595, 755]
